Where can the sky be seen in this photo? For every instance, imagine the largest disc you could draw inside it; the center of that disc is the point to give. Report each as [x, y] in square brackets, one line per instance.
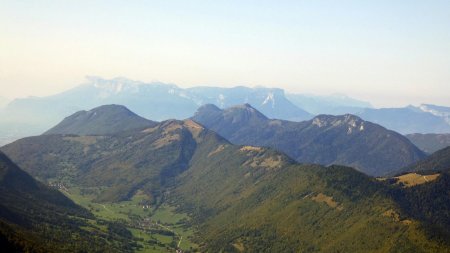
[391, 53]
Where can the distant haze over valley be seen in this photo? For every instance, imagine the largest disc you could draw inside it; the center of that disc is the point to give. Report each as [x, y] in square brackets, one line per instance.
[338, 97]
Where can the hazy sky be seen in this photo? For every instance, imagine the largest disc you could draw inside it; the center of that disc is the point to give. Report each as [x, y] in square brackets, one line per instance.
[391, 53]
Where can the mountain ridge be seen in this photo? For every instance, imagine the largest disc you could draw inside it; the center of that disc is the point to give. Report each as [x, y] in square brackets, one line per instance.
[238, 196]
[326, 139]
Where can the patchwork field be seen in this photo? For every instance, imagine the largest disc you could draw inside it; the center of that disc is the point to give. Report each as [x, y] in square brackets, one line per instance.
[154, 228]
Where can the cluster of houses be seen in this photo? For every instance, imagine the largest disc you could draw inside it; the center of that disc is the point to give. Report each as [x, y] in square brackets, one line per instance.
[59, 186]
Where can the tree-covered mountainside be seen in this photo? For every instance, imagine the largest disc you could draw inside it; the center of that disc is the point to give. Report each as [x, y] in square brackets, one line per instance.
[326, 139]
[430, 143]
[430, 203]
[145, 159]
[252, 199]
[105, 119]
[240, 198]
[36, 218]
[438, 161]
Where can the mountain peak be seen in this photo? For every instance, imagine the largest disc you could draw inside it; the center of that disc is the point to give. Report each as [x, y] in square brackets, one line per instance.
[244, 106]
[208, 107]
[238, 114]
[245, 110]
[105, 119]
[110, 108]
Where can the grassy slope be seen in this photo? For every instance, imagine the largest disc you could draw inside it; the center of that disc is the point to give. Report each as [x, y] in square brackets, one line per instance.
[429, 203]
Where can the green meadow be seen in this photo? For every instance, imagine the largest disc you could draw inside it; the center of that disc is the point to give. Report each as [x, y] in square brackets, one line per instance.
[154, 228]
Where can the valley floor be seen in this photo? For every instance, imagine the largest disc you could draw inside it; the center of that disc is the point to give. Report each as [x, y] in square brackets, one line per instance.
[155, 228]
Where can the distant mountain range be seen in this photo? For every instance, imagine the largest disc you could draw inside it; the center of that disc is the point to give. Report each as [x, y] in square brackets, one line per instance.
[440, 111]
[159, 101]
[334, 105]
[325, 139]
[272, 102]
[240, 198]
[407, 120]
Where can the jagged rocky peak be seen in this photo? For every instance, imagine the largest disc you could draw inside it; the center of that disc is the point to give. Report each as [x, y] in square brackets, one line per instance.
[350, 120]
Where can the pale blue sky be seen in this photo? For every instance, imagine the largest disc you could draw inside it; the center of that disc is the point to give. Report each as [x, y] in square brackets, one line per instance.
[391, 53]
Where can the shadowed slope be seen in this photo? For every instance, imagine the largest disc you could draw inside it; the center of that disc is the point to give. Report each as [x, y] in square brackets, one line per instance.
[35, 218]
